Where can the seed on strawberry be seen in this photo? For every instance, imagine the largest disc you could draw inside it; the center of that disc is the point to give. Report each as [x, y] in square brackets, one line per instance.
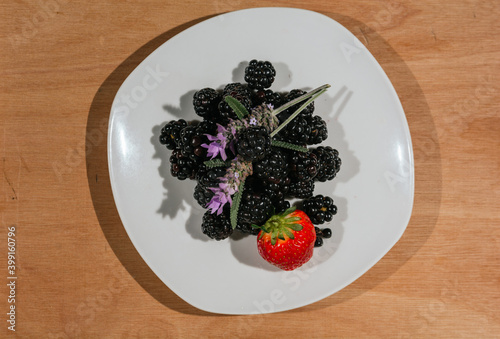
[287, 239]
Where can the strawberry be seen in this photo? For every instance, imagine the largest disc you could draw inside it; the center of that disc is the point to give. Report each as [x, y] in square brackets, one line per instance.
[286, 240]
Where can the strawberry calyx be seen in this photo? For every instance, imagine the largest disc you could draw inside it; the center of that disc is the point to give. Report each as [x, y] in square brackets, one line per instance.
[281, 226]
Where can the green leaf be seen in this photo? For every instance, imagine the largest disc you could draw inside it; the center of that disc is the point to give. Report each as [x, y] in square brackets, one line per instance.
[295, 227]
[274, 235]
[288, 145]
[233, 214]
[237, 107]
[289, 210]
[288, 233]
[216, 163]
[281, 236]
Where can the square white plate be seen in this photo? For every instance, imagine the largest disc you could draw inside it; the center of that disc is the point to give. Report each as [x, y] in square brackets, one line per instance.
[373, 190]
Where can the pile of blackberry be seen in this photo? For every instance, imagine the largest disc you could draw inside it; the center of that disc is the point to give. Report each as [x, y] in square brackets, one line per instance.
[279, 174]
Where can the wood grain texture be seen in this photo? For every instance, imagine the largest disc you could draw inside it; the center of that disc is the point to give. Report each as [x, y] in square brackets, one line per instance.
[80, 276]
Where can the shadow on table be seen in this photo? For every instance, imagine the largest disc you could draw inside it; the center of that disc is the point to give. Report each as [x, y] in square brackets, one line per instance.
[427, 171]
[99, 183]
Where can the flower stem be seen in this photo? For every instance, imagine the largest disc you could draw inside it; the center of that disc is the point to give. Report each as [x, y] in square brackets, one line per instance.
[280, 127]
[299, 99]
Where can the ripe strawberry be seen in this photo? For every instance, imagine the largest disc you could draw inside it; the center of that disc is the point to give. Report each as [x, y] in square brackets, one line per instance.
[286, 240]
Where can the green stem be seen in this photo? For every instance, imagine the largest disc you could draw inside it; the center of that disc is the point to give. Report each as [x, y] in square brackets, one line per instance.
[299, 99]
[233, 214]
[280, 127]
[288, 145]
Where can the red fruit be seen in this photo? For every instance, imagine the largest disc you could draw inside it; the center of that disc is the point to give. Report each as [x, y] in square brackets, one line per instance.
[286, 240]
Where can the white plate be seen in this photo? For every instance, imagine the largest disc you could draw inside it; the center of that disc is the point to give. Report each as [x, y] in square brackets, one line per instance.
[366, 122]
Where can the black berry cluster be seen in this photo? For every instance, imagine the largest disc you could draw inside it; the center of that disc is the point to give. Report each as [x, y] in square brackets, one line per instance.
[259, 74]
[170, 133]
[217, 227]
[319, 208]
[205, 103]
[329, 163]
[278, 173]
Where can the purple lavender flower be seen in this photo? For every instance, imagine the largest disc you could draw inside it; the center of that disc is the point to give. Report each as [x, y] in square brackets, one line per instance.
[253, 121]
[218, 144]
[222, 195]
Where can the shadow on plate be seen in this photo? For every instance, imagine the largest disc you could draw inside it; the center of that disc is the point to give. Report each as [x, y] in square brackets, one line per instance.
[181, 192]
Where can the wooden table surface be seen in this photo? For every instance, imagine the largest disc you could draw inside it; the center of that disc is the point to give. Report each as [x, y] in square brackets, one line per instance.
[78, 275]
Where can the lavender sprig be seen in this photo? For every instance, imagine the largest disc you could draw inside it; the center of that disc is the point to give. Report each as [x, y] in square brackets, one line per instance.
[237, 172]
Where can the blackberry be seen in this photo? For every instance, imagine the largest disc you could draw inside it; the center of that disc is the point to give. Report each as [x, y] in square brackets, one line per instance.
[272, 168]
[236, 88]
[217, 227]
[255, 207]
[301, 189]
[319, 209]
[202, 195]
[259, 74]
[268, 97]
[281, 206]
[272, 190]
[207, 178]
[253, 143]
[303, 165]
[185, 135]
[308, 130]
[294, 94]
[329, 163]
[240, 93]
[170, 133]
[206, 102]
[321, 234]
[296, 131]
[276, 191]
[207, 127]
[319, 131]
[182, 167]
[190, 141]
